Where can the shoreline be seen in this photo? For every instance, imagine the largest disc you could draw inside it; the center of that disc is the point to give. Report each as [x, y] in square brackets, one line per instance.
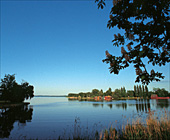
[6, 104]
[93, 98]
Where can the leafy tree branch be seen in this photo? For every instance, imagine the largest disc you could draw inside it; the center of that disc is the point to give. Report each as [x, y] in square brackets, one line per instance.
[147, 35]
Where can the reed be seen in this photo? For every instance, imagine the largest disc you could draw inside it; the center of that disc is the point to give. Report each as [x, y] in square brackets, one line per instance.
[154, 128]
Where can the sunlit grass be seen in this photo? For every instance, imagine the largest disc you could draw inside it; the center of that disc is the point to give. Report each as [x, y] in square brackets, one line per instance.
[153, 129]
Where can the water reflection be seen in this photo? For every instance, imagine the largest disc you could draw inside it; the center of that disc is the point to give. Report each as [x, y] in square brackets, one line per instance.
[141, 105]
[122, 105]
[10, 115]
[163, 103]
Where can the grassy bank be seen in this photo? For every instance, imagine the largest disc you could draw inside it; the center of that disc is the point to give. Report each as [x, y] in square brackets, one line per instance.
[154, 129]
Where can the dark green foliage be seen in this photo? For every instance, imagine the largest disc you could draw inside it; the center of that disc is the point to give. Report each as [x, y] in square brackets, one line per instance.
[146, 33]
[140, 91]
[95, 92]
[130, 93]
[143, 91]
[150, 93]
[82, 94]
[135, 91]
[117, 94]
[72, 95]
[12, 91]
[108, 92]
[146, 90]
[161, 92]
[123, 92]
[101, 92]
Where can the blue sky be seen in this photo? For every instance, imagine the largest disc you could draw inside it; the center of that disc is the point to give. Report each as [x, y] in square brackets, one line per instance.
[58, 46]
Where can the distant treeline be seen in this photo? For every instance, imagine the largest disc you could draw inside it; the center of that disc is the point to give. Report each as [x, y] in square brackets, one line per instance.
[50, 96]
[139, 91]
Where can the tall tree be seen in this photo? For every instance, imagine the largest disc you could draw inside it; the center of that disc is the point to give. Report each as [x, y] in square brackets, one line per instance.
[143, 92]
[109, 92]
[14, 92]
[123, 92]
[140, 91]
[135, 90]
[146, 90]
[146, 33]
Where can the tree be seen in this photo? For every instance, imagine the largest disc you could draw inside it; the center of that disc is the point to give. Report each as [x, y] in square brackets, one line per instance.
[123, 92]
[130, 93]
[140, 91]
[109, 92]
[135, 91]
[12, 91]
[95, 92]
[81, 94]
[72, 95]
[116, 94]
[146, 33]
[146, 90]
[6, 85]
[161, 92]
[101, 92]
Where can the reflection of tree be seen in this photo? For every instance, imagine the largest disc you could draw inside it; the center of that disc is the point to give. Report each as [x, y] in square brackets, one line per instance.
[8, 116]
[123, 105]
[96, 105]
[143, 105]
[163, 103]
[137, 107]
[110, 105]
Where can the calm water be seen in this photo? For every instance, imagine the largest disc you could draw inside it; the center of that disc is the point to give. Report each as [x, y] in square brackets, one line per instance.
[49, 117]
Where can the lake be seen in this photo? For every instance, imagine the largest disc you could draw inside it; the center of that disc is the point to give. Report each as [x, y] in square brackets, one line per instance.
[51, 117]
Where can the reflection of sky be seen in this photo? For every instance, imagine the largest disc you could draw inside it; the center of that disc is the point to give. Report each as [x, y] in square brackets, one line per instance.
[59, 46]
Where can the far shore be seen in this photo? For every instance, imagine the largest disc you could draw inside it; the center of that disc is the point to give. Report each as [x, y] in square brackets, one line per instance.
[93, 98]
[50, 95]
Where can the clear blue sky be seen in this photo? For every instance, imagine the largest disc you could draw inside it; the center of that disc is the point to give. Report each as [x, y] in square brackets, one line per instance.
[58, 47]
